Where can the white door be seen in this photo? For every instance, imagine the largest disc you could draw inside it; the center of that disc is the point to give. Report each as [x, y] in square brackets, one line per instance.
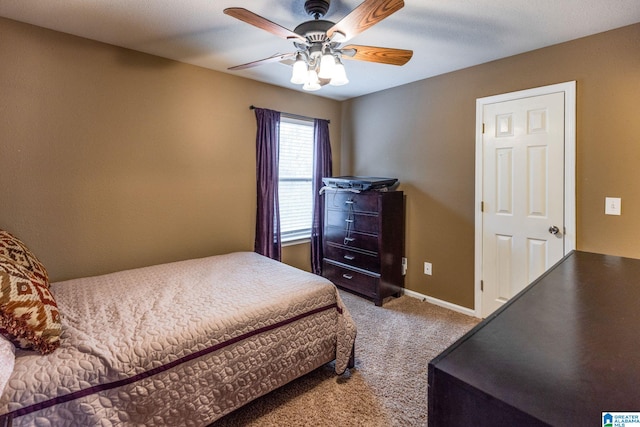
[522, 193]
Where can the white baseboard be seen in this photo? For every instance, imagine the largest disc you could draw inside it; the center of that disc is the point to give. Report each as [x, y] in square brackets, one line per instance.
[441, 303]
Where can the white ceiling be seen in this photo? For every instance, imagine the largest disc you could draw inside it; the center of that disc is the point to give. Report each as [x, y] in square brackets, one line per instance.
[445, 35]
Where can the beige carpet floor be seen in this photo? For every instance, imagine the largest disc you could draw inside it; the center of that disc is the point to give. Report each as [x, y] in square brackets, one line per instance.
[387, 387]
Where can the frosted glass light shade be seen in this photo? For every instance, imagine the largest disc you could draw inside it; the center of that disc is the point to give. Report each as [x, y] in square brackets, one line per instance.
[313, 83]
[339, 75]
[299, 73]
[327, 66]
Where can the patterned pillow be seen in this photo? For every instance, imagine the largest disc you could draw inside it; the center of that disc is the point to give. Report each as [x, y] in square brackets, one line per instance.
[29, 314]
[11, 247]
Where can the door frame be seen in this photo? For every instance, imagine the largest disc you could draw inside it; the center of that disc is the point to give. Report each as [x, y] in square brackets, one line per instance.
[569, 90]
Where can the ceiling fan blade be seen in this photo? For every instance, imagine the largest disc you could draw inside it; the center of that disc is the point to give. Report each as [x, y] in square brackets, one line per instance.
[263, 23]
[275, 58]
[382, 55]
[369, 13]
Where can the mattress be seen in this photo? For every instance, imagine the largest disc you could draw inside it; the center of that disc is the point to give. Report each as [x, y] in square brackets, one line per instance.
[182, 343]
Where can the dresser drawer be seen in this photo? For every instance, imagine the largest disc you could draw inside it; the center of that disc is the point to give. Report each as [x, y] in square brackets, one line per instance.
[366, 223]
[370, 262]
[347, 200]
[339, 236]
[345, 277]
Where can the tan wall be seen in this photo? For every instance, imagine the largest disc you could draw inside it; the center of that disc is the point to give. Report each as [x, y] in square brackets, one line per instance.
[424, 134]
[112, 159]
[298, 255]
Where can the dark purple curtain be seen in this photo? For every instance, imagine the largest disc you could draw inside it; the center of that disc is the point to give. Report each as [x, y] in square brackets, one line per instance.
[322, 167]
[267, 153]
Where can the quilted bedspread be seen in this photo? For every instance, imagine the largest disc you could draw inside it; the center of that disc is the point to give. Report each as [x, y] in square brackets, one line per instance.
[179, 344]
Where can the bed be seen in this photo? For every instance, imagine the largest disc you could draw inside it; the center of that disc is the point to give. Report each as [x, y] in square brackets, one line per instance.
[182, 343]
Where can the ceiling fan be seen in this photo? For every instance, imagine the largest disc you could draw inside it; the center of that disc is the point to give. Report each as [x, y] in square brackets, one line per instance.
[318, 42]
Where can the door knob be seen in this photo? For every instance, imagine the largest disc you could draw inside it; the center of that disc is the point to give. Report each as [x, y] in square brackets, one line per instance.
[554, 230]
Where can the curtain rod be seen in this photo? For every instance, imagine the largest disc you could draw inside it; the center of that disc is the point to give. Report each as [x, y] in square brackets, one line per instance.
[293, 116]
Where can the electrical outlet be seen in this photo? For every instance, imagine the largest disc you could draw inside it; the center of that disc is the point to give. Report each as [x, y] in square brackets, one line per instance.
[428, 268]
[404, 266]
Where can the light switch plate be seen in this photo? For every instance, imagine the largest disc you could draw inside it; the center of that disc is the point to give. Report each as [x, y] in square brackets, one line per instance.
[612, 206]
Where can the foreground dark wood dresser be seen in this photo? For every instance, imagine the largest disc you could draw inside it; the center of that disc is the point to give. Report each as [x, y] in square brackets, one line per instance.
[364, 242]
[564, 350]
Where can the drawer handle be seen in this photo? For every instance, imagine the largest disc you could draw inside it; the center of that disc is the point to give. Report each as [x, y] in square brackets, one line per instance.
[348, 220]
[349, 202]
[349, 239]
[349, 257]
[347, 276]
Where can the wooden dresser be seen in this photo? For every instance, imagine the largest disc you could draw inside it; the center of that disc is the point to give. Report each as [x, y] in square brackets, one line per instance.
[364, 242]
[563, 352]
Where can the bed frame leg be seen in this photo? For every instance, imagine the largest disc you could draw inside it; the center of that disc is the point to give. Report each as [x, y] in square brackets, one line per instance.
[352, 359]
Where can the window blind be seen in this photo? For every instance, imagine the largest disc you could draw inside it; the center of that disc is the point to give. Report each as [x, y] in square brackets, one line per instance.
[295, 177]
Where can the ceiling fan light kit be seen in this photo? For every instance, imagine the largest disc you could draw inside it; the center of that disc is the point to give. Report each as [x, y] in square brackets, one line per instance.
[318, 52]
[313, 70]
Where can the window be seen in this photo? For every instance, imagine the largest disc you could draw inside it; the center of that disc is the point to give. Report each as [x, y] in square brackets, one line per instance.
[295, 178]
